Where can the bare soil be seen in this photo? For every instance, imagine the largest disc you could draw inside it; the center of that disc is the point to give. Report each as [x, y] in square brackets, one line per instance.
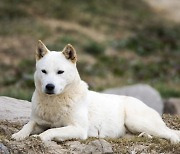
[170, 9]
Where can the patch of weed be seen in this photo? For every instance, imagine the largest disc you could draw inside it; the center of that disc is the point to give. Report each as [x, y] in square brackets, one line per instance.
[29, 27]
[167, 91]
[18, 92]
[94, 48]
[12, 9]
[153, 38]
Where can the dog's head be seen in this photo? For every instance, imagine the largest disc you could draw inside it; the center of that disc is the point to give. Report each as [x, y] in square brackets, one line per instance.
[55, 71]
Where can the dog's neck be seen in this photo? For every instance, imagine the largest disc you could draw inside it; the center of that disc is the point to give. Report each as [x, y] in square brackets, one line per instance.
[75, 89]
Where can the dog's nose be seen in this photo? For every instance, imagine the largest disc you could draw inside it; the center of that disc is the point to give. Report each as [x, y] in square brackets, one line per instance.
[50, 87]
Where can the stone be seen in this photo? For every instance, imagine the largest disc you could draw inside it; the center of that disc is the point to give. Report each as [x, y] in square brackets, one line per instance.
[14, 110]
[172, 106]
[54, 148]
[76, 146]
[99, 146]
[3, 149]
[95, 146]
[143, 92]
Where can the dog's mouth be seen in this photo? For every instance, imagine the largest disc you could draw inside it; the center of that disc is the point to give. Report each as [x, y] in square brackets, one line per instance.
[49, 92]
[52, 92]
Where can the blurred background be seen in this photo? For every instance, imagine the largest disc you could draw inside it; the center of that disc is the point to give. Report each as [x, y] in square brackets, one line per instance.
[119, 42]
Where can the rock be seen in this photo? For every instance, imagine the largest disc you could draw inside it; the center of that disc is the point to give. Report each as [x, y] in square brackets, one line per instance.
[172, 106]
[14, 110]
[6, 128]
[143, 92]
[28, 146]
[3, 149]
[75, 146]
[99, 146]
[96, 146]
[54, 148]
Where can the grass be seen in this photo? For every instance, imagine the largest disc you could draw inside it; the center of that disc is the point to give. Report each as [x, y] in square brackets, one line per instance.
[61, 41]
[167, 91]
[23, 27]
[10, 10]
[141, 46]
[94, 48]
[19, 93]
[152, 39]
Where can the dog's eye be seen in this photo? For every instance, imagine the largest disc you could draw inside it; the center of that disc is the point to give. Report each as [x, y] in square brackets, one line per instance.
[60, 72]
[44, 71]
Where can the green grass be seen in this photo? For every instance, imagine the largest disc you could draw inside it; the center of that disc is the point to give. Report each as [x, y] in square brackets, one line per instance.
[152, 39]
[24, 27]
[167, 91]
[128, 27]
[18, 92]
[12, 9]
[94, 48]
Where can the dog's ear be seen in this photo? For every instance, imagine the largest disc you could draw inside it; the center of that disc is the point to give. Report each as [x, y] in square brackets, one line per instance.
[41, 50]
[70, 53]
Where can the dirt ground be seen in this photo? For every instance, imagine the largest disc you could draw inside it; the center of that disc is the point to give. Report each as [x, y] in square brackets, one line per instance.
[170, 9]
[123, 145]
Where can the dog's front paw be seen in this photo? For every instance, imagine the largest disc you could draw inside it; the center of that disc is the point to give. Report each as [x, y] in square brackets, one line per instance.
[19, 136]
[175, 139]
[46, 136]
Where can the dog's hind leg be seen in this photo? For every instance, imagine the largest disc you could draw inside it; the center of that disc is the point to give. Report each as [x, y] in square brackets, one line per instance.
[140, 118]
[155, 127]
[177, 132]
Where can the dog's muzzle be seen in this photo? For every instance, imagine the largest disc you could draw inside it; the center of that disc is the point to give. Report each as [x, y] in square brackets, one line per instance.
[49, 89]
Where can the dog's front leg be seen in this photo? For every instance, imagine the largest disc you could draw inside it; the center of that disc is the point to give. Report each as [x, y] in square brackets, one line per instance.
[25, 131]
[64, 133]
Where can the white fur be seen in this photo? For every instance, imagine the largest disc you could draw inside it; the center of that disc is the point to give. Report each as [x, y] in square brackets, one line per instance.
[76, 112]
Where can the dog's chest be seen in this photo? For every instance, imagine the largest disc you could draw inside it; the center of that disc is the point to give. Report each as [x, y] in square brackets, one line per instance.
[54, 114]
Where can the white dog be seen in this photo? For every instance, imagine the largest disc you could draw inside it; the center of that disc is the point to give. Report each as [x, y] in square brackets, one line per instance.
[63, 108]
